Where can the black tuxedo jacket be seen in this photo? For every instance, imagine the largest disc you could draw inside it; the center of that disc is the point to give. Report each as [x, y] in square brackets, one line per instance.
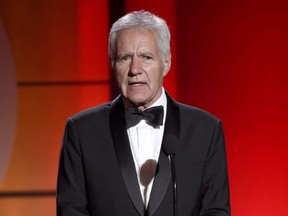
[97, 175]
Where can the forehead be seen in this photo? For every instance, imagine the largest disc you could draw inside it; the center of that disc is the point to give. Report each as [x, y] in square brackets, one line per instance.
[136, 36]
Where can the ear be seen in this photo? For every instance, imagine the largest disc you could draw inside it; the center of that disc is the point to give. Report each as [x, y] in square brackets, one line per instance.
[167, 65]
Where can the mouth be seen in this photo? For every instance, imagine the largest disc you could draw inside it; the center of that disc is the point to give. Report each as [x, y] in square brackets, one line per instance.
[136, 83]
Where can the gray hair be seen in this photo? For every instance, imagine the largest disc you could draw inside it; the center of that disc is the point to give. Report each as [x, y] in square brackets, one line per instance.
[143, 20]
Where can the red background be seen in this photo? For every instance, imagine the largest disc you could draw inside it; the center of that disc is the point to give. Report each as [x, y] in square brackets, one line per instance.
[234, 63]
[228, 57]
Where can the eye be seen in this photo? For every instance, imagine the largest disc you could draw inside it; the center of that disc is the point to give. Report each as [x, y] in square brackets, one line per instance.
[146, 57]
[125, 58]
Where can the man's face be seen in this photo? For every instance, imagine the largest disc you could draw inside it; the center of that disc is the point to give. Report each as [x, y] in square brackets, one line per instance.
[139, 67]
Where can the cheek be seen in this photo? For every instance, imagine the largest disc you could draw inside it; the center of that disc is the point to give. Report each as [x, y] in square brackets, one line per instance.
[120, 79]
[122, 82]
[158, 75]
[120, 74]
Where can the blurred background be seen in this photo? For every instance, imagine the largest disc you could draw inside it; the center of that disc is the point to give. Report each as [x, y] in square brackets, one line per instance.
[228, 57]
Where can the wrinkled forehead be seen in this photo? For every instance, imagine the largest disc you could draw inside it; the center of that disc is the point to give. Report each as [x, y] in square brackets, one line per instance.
[136, 31]
[137, 40]
[136, 36]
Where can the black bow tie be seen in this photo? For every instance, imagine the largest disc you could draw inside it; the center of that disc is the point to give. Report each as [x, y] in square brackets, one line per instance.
[153, 116]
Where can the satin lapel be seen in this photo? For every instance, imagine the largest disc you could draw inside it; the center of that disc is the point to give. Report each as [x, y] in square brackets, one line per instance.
[161, 182]
[163, 175]
[124, 154]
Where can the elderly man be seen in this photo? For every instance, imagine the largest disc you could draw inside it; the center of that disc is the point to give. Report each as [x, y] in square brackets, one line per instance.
[113, 158]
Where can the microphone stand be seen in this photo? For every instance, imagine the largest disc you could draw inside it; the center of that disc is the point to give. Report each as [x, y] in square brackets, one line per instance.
[170, 145]
[174, 183]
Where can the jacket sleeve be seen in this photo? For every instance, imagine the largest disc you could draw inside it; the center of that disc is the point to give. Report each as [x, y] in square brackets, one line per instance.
[215, 186]
[71, 191]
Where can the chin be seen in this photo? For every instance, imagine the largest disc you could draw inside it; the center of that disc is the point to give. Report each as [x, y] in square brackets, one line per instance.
[136, 102]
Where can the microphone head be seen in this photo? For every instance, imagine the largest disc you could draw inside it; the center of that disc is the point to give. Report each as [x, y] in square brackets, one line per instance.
[170, 144]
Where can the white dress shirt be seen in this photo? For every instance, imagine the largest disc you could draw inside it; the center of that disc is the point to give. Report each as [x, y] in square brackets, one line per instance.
[145, 143]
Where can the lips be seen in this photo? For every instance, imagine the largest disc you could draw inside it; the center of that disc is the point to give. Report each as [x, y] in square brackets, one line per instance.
[136, 83]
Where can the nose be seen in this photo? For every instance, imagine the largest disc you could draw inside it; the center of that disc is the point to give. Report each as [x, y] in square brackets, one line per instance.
[135, 66]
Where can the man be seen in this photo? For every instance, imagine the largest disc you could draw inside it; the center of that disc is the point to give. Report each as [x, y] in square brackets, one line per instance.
[113, 163]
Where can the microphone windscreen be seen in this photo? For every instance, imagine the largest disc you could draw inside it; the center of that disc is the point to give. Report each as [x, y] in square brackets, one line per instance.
[170, 144]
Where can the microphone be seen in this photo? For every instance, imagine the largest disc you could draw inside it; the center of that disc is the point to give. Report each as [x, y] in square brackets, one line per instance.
[170, 146]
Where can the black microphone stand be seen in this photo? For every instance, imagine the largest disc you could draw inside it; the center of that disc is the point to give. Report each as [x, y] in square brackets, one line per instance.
[174, 183]
[170, 145]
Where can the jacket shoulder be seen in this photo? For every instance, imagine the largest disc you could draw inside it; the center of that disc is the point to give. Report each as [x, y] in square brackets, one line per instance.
[93, 112]
[195, 112]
